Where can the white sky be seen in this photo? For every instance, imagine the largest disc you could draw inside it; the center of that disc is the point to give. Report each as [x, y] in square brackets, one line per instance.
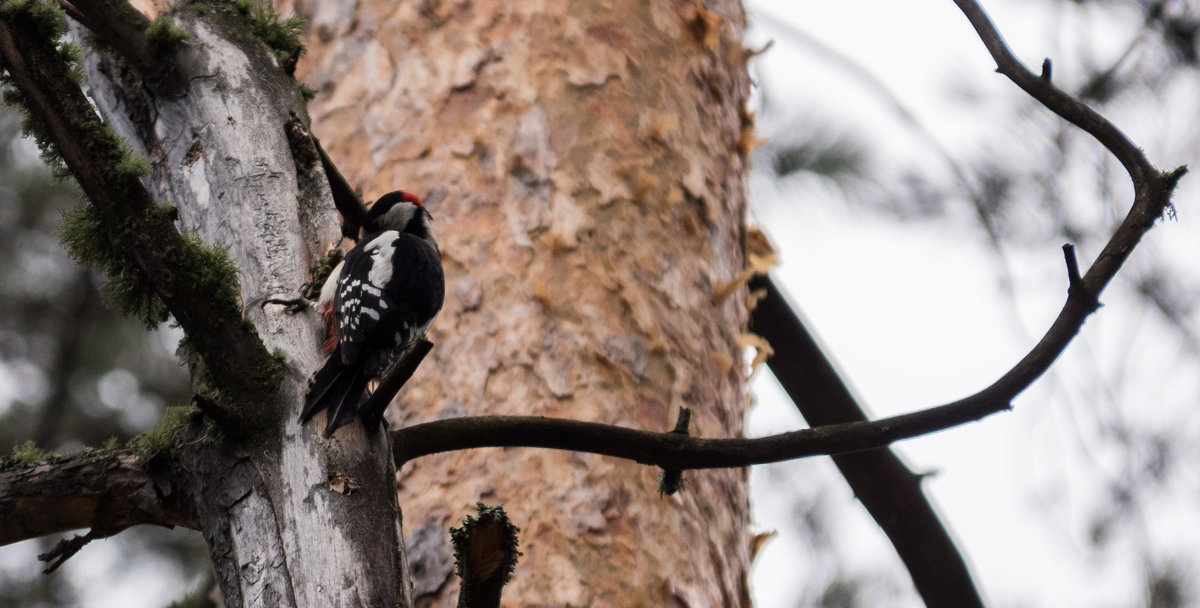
[914, 315]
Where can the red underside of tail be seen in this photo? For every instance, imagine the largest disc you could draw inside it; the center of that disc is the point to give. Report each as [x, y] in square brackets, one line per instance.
[331, 339]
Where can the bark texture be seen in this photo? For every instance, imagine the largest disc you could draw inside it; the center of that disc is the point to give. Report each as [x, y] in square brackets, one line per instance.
[583, 163]
[106, 493]
[291, 519]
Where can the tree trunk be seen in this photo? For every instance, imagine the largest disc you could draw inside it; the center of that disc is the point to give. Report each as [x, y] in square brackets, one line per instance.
[584, 165]
[291, 519]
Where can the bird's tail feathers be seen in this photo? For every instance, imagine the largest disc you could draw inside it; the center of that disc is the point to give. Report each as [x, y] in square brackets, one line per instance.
[337, 388]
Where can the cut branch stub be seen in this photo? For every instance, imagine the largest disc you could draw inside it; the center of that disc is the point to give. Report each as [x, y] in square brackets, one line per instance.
[671, 480]
[485, 555]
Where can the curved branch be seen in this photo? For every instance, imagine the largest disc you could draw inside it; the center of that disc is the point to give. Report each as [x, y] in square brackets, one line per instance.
[673, 450]
[1055, 99]
[1152, 197]
[106, 491]
[677, 451]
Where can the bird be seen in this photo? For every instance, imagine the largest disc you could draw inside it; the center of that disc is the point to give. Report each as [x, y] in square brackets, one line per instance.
[375, 304]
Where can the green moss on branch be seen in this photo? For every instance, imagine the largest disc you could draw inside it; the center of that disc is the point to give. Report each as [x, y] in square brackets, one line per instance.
[163, 439]
[163, 36]
[27, 454]
[152, 268]
[281, 34]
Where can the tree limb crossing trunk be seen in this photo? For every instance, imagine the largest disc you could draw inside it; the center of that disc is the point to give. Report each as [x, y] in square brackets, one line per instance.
[584, 166]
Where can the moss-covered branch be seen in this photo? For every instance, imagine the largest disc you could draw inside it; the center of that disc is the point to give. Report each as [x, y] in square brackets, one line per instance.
[153, 268]
[104, 490]
[485, 555]
[144, 44]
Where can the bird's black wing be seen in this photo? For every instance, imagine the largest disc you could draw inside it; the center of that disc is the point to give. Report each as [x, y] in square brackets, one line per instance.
[403, 282]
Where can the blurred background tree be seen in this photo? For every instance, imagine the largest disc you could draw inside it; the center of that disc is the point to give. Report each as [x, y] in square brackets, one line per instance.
[1098, 453]
[75, 373]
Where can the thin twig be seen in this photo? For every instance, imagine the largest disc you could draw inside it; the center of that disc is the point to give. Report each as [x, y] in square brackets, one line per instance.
[66, 549]
[671, 480]
[1072, 265]
[1056, 100]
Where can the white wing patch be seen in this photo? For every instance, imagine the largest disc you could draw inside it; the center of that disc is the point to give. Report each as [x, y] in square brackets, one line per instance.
[363, 301]
[382, 249]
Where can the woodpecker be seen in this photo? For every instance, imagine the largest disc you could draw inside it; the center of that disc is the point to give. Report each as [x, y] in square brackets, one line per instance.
[375, 304]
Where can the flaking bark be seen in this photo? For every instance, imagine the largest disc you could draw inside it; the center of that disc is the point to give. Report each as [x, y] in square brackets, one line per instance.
[583, 165]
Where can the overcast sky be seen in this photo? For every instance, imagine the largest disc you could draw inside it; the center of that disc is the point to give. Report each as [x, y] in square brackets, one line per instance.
[915, 315]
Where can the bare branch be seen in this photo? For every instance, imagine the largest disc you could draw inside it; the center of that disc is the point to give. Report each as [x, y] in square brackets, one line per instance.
[1056, 100]
[105, 491]
[115, 23]
[120, 26]
[671, 450]
[66, 549]
[1152, 197]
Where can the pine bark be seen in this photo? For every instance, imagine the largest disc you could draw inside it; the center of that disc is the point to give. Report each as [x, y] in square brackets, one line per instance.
[584, 164]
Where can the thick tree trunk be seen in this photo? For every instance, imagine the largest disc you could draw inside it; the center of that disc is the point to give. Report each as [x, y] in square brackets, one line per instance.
[583, 163]
[291, 519]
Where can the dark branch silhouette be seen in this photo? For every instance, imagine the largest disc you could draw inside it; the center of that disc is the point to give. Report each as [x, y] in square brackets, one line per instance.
[403, 369]
[669, 450]
[889, 491]
[347, 200]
